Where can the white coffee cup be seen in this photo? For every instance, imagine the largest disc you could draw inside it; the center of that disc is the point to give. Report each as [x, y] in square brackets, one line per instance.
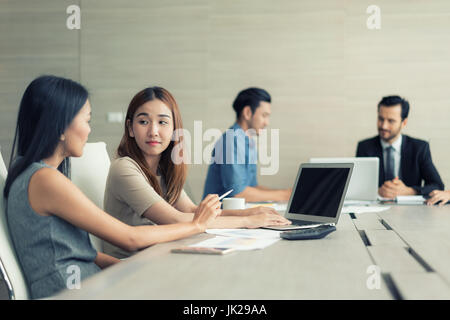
[233, 203]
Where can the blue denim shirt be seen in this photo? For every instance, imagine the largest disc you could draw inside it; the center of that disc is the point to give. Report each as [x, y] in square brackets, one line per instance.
[233, 163]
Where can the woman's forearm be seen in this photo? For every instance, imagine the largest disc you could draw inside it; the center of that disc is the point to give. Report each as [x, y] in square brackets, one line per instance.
[104, 260]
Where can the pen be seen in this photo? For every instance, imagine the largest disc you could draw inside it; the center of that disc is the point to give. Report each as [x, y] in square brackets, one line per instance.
[225, 194]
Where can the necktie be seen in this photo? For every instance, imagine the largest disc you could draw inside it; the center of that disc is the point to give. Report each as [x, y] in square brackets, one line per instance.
[390, 163]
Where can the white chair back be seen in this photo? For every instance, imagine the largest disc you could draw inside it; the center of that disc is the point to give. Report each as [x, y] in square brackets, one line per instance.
[89, 173]
[3, 170]
[9, 264]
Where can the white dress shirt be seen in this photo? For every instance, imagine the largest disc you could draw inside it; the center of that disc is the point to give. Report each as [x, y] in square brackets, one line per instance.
[397, 145]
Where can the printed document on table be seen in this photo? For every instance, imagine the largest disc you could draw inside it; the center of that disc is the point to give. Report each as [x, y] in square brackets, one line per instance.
[236, 243]
[363, 209]
[246, 233]
[410, 199]
[358, 202]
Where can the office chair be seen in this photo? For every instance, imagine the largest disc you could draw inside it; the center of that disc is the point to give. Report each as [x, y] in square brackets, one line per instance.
[9, 264]
[89, 173]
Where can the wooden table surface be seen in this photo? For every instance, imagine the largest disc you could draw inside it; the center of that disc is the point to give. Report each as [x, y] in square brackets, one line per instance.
[401, 253]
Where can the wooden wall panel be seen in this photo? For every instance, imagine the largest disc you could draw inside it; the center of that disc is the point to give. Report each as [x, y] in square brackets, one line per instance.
[326, 71]
[34, 40]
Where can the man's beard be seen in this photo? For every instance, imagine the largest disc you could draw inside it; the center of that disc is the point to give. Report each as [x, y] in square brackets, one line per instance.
[391, 136]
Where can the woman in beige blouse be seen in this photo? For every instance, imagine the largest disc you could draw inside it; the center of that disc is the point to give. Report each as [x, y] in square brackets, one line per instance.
[145, 186]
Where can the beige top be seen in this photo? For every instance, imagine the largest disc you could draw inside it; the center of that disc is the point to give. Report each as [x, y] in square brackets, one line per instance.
[128, 194]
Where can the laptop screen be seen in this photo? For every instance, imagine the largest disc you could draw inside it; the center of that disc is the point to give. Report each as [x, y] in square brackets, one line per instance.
[319, 191]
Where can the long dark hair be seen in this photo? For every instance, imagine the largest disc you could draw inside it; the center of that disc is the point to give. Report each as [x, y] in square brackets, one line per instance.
[174, 174]
[47, 108]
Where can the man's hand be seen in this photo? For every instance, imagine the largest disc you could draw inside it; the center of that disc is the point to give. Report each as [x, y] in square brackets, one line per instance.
[259, 210]
[286, 194]
[392, 188]
[438, 196]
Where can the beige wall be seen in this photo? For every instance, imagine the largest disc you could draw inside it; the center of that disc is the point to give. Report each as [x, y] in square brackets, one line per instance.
[324, 69]
[34, 40]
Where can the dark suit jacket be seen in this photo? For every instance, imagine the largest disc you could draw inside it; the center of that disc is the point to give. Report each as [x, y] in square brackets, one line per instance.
[415, 164]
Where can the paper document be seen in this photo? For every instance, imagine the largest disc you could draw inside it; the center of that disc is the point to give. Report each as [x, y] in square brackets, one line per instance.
[363, 209]
[358, 202]
[246, 233]
[236, 243]
[383, 199]
[410, 199]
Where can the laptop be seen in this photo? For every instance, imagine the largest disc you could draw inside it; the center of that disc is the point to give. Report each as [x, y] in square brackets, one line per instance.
[364, 181]
[317, 196]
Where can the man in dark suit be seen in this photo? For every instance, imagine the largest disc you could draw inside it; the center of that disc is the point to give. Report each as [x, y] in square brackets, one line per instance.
[404, 161]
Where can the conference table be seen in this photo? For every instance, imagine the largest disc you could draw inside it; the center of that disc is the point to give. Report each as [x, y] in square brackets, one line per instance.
[400, 253]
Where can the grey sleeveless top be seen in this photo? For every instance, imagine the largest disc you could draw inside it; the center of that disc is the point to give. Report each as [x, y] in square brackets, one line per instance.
[54, 254]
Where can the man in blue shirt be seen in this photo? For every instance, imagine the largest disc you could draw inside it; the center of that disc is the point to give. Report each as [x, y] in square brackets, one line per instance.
[234, 157]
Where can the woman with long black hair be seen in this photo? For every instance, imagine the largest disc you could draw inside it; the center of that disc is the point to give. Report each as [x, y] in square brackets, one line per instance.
[48, 216]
